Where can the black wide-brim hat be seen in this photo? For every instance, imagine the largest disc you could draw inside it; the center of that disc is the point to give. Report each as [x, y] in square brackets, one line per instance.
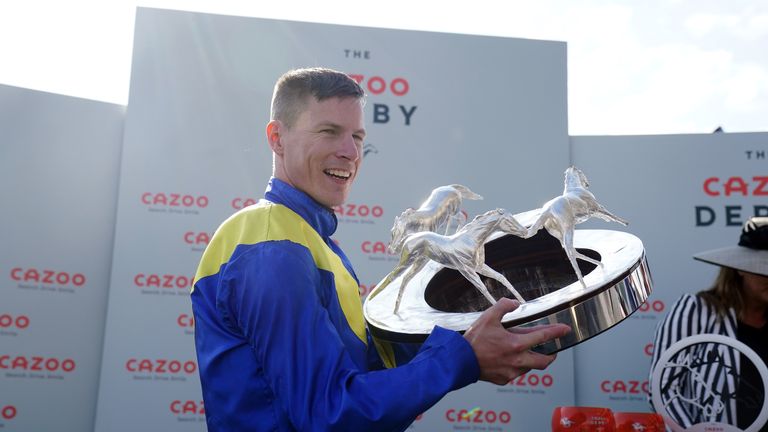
[751, 254]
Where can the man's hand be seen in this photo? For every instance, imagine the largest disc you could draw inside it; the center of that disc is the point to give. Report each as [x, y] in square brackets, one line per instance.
[503, 354]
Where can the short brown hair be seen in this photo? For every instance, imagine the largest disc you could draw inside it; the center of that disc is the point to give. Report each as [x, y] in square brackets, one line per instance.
[293, 88]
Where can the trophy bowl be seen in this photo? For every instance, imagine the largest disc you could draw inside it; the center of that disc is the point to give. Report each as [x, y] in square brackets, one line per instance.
[540, 271]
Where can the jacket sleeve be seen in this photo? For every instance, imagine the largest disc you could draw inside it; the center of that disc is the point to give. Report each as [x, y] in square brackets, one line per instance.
[278, 303]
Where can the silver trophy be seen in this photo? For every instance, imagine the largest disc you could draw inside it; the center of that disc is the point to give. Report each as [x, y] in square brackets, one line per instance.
[560, 215]
[463, 251]
[438, 212]
[588, 279]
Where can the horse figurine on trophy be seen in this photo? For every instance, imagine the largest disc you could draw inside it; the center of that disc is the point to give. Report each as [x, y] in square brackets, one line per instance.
[463, 251]
[560, 215]
[442, 207]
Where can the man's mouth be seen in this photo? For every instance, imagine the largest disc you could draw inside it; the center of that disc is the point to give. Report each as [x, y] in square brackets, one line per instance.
[338, 174]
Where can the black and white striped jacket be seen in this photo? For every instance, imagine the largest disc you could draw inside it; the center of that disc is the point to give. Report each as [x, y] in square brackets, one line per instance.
[691, 315]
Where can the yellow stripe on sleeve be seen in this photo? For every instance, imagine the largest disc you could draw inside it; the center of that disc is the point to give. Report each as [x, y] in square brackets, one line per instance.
[273, 222]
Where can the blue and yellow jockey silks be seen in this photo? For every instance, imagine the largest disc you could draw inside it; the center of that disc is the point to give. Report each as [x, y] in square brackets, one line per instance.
[280, 336]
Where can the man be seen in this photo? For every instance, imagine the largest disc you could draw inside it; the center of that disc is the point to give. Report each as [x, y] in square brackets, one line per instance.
[279, 331]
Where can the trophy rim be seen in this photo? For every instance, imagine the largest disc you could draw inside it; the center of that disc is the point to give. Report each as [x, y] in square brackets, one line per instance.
[621, 293]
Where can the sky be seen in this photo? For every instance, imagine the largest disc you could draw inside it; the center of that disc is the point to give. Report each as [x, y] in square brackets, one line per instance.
[634, 67]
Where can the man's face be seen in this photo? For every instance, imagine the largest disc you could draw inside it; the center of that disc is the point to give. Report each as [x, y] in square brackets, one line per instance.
[321, 153]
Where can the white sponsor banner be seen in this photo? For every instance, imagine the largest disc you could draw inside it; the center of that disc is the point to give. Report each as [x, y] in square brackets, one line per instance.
[682, 194]
[526, 404]
[489, 113]
[59, 162]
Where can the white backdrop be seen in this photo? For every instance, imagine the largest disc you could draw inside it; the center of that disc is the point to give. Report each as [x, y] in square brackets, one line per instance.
[486, 112]
[657, 183]
[59, 161]
[456, 111]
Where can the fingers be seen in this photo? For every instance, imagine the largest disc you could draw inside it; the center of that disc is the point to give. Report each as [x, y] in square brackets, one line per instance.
[539, 361]
[501, 308]
[530, 361]
[504, 354]
[533, 336]
[530, 329]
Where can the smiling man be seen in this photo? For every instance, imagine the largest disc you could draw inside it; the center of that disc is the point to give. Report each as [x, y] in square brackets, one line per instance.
[319, 152]
[279, 331]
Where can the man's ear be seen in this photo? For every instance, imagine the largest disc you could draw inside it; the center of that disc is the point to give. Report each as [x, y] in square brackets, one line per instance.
[274, 135]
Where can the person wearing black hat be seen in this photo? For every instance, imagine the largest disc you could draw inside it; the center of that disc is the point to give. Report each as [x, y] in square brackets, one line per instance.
[736, 306]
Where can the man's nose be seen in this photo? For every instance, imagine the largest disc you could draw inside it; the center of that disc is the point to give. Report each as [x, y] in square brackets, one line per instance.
[348, 149]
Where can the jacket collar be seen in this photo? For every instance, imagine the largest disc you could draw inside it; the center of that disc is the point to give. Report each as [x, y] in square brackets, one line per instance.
[321, 218]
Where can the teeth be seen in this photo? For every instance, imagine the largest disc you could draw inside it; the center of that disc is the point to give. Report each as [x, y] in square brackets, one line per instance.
[338, 173]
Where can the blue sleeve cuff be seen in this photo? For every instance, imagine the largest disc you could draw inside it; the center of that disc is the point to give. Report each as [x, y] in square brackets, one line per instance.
[464, 361]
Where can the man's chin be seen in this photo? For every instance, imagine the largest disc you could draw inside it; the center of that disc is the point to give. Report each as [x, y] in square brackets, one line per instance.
[340, 200]
[331, 203]
[335, 199]
[338, 203]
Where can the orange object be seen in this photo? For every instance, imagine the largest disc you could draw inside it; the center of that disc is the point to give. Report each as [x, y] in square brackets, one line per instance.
[638, 422]
[583, 419]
